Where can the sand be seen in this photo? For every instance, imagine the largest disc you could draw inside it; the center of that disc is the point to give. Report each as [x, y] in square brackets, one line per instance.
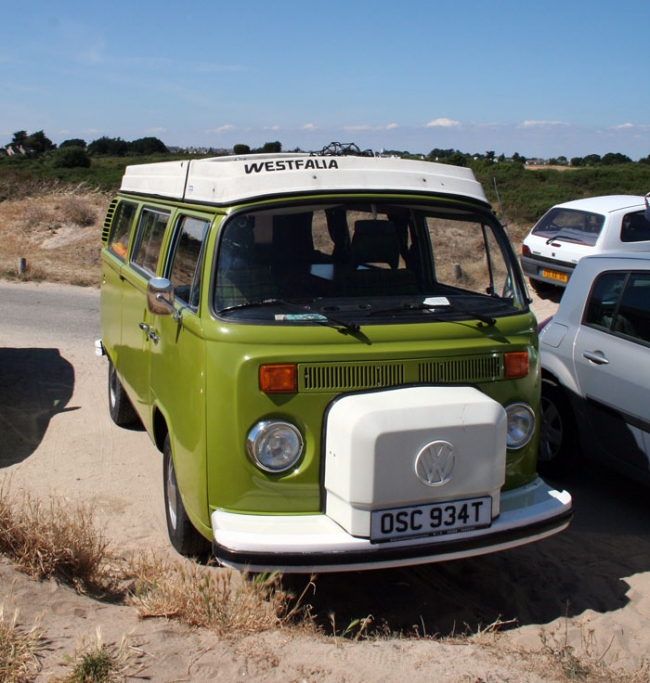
[588, 588]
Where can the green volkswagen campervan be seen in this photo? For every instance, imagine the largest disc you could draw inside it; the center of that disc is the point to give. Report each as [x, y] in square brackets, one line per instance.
[335, 356]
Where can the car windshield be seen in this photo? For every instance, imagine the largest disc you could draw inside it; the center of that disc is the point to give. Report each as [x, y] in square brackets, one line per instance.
[581, 227]
[364, 263]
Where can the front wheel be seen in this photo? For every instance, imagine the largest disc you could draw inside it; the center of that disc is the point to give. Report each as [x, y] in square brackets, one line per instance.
[559, 449]
[182, 534]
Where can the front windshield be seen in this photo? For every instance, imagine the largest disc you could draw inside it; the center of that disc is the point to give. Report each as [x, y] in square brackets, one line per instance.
[581, 227]
[363, 261]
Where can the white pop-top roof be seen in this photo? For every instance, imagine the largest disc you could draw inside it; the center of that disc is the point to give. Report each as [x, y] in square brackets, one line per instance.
[234, 179]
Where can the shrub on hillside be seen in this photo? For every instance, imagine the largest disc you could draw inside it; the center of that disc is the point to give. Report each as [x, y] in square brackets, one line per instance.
[70, 157]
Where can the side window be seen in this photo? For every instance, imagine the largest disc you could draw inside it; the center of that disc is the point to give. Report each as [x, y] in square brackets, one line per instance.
[467, 255]
[635, 228]
[186, 259]
[635, 306]
[151, 231]
[118, 242]
[603, 302]
[620, 303]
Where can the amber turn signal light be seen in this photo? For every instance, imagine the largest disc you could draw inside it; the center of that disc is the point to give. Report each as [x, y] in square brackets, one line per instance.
[516, 364]
[278, 379]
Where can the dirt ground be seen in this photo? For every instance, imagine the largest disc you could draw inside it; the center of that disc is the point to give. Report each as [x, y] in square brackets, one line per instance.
[583, 594]
[588, 587]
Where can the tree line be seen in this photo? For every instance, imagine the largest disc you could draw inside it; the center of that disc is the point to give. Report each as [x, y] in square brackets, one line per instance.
[457, 158]
[76, 153]
[79, 152]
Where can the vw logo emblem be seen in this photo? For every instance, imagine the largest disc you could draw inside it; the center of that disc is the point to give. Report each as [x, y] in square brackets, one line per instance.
[435, 463]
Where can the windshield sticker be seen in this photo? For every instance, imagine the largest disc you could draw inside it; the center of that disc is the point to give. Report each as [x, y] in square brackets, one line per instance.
[436, 301]
[309, 317]
[290, 165]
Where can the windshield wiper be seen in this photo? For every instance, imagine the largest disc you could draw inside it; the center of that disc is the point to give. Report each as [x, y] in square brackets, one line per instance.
[566, 238]
[486, 319]
[301, 314]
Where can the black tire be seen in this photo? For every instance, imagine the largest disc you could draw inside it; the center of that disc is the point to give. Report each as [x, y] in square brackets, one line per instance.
[541, 286]
[559, 447]
[182, 534]
[119, 406]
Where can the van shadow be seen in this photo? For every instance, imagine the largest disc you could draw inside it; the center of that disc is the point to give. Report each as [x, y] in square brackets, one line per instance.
[35, 385]
[581, 568]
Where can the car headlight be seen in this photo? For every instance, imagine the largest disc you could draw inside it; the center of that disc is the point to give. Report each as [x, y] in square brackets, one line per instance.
[274, 446]
[521, 425]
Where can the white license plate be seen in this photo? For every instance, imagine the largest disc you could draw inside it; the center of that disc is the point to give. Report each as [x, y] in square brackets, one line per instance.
[431, 520]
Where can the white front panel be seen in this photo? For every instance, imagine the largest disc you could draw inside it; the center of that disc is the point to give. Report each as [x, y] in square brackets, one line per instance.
[373, 441]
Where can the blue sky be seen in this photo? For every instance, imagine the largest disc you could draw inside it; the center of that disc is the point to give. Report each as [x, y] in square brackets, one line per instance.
[549, 78]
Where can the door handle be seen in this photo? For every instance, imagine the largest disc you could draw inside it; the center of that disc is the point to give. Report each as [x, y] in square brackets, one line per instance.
[150, 332]
[597, 357]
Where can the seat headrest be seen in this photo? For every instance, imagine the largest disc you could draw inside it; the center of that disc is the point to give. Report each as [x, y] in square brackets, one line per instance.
[375, 241]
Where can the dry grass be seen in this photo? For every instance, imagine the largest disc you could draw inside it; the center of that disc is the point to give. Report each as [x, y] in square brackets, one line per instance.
[58, 234]
[204, 596]
[557, 660]
[55, 539]
[60, 540]
[19, 660]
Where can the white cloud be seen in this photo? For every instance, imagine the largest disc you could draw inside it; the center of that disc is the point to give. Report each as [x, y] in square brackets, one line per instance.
[541, 124]
[632, 127]
[366, 127]
[222, 129]
[442, 123]
[309, 126]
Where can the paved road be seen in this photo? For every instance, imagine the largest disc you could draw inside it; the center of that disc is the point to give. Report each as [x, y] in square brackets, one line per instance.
[48, 312]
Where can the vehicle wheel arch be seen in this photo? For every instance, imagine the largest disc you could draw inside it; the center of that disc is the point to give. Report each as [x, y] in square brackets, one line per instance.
[160, 428]
[558, 374]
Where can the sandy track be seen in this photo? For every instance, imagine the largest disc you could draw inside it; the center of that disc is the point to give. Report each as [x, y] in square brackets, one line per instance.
[60, 441]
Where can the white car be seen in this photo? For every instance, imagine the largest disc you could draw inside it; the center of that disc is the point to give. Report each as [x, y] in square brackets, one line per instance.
[595, 356]
[568, 232]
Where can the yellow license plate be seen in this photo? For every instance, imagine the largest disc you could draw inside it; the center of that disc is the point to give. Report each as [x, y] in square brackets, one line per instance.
[554, 275]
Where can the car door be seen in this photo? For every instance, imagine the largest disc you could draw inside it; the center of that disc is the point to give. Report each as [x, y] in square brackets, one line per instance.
[177, 368]
[137, 336]
[612, 361]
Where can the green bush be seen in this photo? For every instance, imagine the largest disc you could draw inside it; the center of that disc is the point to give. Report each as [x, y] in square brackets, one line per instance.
[70, 157]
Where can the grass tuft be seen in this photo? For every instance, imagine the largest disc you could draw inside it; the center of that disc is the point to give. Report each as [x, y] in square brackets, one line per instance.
[55, 539]
[18, 649]
[208, 597]
[99, 662]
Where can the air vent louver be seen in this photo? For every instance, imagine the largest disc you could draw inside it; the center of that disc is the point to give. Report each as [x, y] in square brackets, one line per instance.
[316, 377]
[108, 220]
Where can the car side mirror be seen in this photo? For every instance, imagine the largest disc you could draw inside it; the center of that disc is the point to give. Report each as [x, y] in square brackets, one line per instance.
[160, 296]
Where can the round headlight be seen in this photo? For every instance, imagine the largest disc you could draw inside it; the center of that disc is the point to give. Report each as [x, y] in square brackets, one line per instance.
[274, 446]
[521, 425]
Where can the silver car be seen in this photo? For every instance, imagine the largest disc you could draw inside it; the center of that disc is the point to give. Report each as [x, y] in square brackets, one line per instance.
[595, 356]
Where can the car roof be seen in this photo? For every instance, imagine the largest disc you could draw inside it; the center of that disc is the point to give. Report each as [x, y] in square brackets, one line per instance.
[231, 179]
[603, 259]
[605, 204]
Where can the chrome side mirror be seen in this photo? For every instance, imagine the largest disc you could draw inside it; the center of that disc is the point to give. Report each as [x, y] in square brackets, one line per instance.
[160, 297]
